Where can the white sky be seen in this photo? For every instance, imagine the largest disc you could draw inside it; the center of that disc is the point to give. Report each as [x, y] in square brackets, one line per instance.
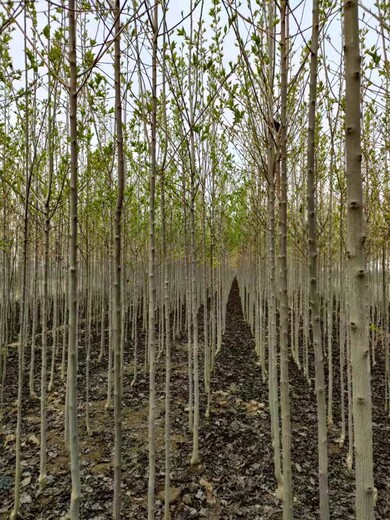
[300, 22]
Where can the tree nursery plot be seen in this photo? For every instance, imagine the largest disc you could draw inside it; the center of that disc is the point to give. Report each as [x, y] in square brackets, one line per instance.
[194, 260]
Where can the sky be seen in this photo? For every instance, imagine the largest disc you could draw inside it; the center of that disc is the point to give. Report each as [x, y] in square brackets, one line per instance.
[178, 18]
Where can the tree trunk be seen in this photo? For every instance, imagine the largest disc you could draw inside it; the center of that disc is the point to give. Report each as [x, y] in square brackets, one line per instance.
[152, 283]
[117, 296]
[356, 273]
[313, 275]
[73, 291]
[283, 298]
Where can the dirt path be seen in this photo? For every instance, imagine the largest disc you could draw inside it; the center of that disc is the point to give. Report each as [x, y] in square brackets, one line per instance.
[235, 479]
[236, 441]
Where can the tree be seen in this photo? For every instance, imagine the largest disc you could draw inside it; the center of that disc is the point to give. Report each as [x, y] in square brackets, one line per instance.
[152, 267]
[73, 285]
[356, 272]
[117, 299]
[313, 275]
[284, 372]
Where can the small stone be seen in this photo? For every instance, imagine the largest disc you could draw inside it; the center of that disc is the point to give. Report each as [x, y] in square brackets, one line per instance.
[200, 495]
[174, 494]
[187, 500]
[9, 438]
[25, 499]
[34, 440]
[100, 469]
[26, 481]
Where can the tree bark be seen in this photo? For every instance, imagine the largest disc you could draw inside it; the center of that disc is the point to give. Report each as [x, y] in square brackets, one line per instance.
[313, 276]
[283, 297]
[152, 283]
[73, 282]
[356, 273]
[117, 296]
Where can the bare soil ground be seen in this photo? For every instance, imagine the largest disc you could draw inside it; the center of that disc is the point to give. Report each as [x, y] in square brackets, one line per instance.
[235, 479]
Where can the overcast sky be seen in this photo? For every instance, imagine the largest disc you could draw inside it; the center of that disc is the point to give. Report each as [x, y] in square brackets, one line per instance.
[178, 17]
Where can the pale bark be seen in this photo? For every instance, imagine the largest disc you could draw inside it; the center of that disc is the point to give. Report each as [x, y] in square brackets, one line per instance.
[356, 273]
[271, 251]
[23, 294]
[73, 278]
[117, 293]
[152, 282]
[283, 297]
[313, 275]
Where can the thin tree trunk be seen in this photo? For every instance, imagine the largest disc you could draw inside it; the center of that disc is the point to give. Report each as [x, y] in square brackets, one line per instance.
[23, 293]
[73, 291]
[313, 275]
[284, 375]
[356, 268]
[117, 296]
[152, 282]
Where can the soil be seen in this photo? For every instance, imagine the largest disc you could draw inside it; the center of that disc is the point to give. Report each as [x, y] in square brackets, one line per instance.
[235, 478]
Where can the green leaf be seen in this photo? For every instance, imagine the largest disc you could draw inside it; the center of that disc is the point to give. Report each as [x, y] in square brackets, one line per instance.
[46, 31]
[373, 53]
